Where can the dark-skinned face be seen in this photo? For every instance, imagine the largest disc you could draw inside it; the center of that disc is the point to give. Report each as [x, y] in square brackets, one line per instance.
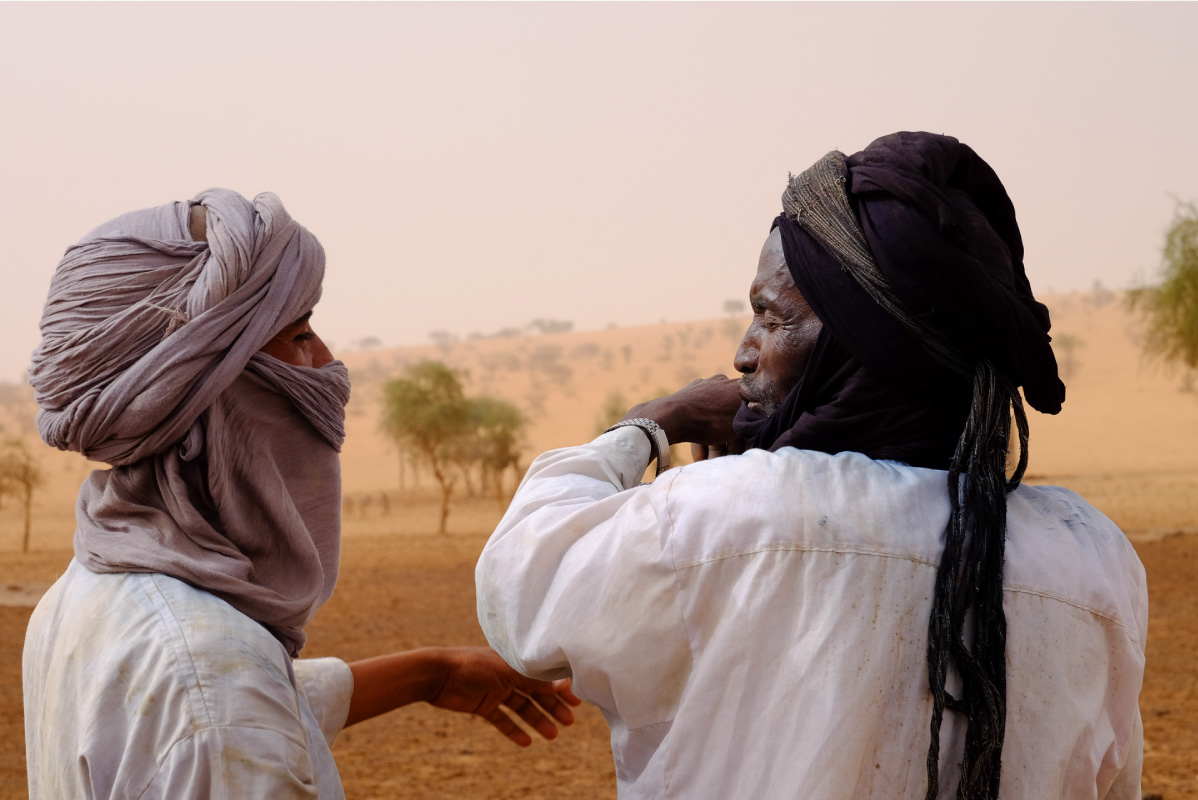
[780, 339]
[298, 344]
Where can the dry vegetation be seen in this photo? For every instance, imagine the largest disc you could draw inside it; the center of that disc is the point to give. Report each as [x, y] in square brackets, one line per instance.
[1125, 441]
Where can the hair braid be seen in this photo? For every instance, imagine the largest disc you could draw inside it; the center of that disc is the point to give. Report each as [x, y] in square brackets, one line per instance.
[970, 579]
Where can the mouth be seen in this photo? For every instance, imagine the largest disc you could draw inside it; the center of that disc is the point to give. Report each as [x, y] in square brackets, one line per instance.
[749, 396]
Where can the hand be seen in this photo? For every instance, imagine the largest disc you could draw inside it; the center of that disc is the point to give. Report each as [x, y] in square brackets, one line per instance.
[469, 679]
[478, 681]
[700, 412]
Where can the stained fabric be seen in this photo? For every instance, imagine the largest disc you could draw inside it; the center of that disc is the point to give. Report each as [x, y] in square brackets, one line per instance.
[756, 626]
[182, 697]
[225, 470]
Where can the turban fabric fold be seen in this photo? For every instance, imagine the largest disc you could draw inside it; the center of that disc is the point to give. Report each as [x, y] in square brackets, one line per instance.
[225, 469]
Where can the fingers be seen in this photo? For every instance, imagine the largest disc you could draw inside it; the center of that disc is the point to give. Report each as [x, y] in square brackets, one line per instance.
[549, 696]
[527, 710]
[527, 699]
[563, 689]
[507, 726]
[531, 713]
[551, 702]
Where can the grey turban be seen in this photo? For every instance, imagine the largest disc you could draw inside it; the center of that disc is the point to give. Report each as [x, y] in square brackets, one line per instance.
[225, 469]
[116, 376]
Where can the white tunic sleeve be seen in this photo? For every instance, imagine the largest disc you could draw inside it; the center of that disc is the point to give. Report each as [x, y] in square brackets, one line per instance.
[327, 684]
[575, 581]
[1127, 782]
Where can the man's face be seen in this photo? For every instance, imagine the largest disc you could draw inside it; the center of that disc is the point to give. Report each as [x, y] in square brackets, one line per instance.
[779, 341]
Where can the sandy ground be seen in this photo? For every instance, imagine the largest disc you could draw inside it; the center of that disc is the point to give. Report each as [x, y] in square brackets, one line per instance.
[398, 592]
[1126, 442]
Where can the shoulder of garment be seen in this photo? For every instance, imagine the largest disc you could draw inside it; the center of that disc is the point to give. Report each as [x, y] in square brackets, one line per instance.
[167, 675]
[1058, 545]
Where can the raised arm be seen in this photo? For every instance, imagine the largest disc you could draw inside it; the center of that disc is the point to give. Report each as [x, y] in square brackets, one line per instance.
[575, 581]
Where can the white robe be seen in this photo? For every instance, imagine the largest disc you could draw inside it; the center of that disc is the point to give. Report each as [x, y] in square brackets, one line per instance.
[141, 686]
[756, 626]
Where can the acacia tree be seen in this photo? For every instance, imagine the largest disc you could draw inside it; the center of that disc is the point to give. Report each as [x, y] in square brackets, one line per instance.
[20, 474]
[427, 411]
[498, 428]
[1171, 307]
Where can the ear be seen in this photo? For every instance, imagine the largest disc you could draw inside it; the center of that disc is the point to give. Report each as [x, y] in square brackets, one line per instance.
[197, 224]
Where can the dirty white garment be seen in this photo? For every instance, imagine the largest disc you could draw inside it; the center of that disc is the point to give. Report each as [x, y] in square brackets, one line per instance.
[756, 626]
[172, 693]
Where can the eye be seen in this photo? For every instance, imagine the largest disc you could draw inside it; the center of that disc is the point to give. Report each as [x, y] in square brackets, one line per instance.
[305, 336]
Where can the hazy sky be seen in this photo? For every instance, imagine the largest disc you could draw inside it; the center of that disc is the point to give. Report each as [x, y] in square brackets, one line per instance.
[470, 167]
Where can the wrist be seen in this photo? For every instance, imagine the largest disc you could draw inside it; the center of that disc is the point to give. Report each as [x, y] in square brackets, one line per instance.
[398, 679]
[659, 443]
[663, 412]
[436, 666]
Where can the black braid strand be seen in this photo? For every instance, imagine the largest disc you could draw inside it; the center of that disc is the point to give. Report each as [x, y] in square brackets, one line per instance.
[969, 580]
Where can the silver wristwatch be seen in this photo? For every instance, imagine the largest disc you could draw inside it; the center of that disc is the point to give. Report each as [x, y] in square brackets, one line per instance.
[659, 445]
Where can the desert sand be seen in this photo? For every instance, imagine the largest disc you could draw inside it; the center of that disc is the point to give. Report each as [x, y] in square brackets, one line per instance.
[1126, 441]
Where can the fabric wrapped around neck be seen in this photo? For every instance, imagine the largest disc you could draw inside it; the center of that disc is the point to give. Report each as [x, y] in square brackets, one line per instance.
[225, 470]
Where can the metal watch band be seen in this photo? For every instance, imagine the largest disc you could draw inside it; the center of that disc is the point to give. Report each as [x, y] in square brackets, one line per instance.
[659, 445]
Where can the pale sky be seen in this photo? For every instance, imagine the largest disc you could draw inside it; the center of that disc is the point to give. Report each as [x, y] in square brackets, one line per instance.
[470, 167]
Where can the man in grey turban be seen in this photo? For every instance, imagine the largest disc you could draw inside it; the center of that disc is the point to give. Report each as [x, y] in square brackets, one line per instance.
[177, 347]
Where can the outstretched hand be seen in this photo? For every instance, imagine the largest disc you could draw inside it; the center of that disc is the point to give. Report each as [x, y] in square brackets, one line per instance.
[474, 680]
[478, 681]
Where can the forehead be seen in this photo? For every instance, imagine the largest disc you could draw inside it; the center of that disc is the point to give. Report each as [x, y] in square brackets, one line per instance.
[773, 281]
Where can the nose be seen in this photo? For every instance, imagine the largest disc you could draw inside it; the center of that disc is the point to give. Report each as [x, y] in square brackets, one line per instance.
[747, 354]
[321, 354]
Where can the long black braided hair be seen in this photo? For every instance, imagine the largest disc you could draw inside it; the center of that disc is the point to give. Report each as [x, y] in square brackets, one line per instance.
[970, 578]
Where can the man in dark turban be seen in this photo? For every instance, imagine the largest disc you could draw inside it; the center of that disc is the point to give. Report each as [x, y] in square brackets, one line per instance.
[860, 601]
